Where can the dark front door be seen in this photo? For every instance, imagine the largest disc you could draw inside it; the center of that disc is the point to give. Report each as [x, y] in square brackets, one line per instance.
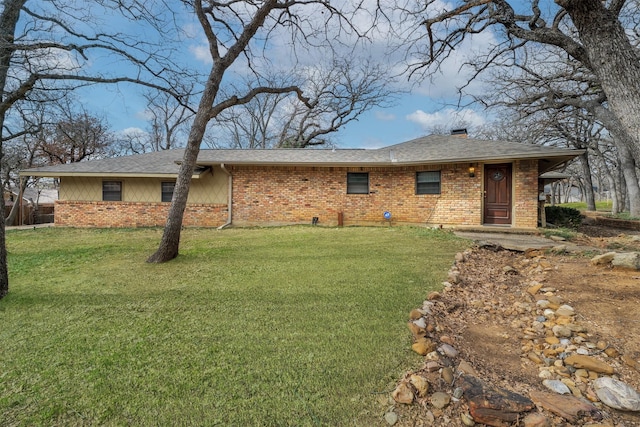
[497, 194]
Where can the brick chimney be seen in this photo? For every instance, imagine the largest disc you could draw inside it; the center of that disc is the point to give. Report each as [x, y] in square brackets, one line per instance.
[460, 133]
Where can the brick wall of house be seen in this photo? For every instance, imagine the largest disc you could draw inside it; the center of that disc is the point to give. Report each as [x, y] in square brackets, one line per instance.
[526, 194]
[288, 195]
[134, 214]
[294, 195]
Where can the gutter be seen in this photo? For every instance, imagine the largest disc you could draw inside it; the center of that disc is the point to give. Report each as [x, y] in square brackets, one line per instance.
[230, 198]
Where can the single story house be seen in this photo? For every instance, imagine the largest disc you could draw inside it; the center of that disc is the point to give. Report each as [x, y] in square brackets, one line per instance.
[433, 180]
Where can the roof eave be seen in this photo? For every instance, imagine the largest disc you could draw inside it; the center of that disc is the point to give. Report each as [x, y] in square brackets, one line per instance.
[102, 174]
[560, 157]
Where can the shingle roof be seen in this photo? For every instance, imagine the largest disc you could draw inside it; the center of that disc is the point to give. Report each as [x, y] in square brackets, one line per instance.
[431, 149]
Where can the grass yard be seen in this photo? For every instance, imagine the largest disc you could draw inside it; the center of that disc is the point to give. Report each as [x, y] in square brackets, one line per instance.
[301, 326]
[602, 205]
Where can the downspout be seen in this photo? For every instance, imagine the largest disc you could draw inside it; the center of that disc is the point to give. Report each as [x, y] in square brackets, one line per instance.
[230, 197]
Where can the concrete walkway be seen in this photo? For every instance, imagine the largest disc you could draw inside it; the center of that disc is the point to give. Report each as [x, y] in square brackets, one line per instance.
[514, 241]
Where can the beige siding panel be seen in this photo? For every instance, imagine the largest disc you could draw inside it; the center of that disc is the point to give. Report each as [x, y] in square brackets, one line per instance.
[80, 188]
[209, 188]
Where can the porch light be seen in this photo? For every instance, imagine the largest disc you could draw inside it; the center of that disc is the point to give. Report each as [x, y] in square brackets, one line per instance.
[472, 171]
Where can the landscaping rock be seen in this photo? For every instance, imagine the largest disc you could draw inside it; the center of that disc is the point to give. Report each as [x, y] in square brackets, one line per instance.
[420, 384]
[603, 259]
[579, 361]
[616, 394]
[403, 394]
[391, 418]
[415, 314]
[448, 351]
[556, 386]
[629, 261]
[570, 408]
[440, 400]
[466, 368]
[423, 346]
[565, 310]
[492, 405]
[447, 375]
[467, 419]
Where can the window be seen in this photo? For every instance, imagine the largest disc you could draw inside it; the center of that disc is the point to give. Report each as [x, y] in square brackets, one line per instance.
[167, 190]
[357, 183]
[111, 191]
[428, 182]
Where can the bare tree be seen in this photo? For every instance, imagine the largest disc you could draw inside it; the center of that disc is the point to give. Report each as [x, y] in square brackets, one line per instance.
[241, 33]
[75, 136]
[43, 51]
[562, 94]
[338, 92]
[591, 32]
[169, 118]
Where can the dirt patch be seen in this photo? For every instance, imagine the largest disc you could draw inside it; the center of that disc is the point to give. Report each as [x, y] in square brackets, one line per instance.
[489, 316]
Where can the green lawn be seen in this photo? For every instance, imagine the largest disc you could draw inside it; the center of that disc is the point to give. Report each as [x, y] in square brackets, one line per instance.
[296, 326]
[603, 205]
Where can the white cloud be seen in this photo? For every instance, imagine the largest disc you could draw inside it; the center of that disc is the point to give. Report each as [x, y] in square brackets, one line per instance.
[201, 53]
[384, 116]
[133, 131]
[445, 117]
[191, 30]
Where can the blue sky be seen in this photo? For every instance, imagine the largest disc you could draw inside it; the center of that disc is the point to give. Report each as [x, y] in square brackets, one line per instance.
[425, 104]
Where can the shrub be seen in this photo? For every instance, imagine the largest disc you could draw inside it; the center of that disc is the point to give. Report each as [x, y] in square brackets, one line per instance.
[561, 216]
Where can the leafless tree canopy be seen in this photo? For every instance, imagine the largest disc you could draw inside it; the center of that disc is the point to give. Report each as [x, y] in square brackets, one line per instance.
[249, 36]
[49, 48]
[338, 93]
[561, 67]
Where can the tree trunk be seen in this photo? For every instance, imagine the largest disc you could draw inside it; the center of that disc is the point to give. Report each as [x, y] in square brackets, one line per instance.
[613, 59]
[588, 182]
[613, 191]
[170, 242]
[628, 166]
[8, 20]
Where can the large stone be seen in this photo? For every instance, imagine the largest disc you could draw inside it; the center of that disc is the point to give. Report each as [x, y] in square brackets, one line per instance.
[448, 350]
[423, 346]
[561, 331]
[403, 394]
[556, 386]
[466, 368]
[580, 361]
[616, 394]
[420, 384]
[492, 405]
[447, 375]
[415, 314]
[440, 400]
[603, 259]
[570, 408]
[391, 418]
[565, 310]
[627, 260]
